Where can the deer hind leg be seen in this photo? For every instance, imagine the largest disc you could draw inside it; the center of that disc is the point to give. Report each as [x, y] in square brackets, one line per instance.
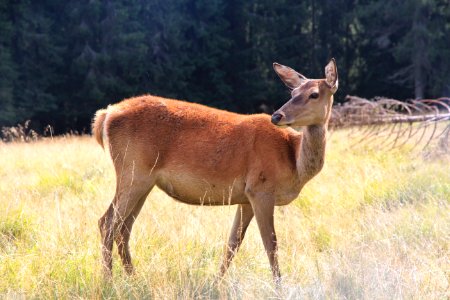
[132, 188]
[123, 236]
[104, 223]
[263, 208]
[244, 215]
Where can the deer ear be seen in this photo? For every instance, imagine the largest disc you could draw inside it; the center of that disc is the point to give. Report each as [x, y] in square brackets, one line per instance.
[290, 77]
[331, 75]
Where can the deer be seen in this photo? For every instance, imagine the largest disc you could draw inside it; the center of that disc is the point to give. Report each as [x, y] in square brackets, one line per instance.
[200, 155]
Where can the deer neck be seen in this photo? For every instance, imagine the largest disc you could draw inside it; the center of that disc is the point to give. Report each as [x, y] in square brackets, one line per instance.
[311, 152]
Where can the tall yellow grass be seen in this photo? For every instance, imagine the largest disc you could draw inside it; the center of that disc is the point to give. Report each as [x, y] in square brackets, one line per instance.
[373, 225]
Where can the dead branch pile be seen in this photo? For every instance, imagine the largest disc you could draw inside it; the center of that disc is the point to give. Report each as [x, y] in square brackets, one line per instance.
[419, 121]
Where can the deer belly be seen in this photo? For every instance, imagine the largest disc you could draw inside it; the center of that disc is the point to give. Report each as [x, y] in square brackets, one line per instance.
[191, 189]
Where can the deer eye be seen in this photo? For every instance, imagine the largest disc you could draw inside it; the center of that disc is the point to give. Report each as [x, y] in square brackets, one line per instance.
[314, 95]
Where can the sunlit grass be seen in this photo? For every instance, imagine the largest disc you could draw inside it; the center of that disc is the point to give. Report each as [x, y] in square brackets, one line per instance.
[372, 224]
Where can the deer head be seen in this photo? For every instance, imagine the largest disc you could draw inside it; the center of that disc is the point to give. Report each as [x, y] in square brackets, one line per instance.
[311, 99]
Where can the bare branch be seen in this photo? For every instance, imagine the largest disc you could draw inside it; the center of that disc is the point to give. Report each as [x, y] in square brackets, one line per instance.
[382, 121]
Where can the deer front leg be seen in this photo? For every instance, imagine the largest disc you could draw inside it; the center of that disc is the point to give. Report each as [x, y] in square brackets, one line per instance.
[263, 208]
[244, 215]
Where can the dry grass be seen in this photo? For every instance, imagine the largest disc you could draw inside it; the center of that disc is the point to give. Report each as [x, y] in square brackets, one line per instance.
[372, 225]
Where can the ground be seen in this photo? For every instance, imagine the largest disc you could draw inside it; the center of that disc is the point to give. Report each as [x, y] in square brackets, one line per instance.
[374, 224]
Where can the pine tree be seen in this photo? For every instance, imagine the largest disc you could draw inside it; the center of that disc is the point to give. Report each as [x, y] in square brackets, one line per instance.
[407, 50]
[31, 57]
[265, 32]
[8, 68]
[188, 49]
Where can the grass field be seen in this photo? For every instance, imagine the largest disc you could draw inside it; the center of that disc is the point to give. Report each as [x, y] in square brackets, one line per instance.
[372, 225]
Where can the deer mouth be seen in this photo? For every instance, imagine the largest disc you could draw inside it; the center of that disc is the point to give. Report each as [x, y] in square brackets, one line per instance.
[283, 125]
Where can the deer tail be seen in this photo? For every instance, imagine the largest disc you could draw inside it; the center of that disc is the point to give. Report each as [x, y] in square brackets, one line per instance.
[97, 125]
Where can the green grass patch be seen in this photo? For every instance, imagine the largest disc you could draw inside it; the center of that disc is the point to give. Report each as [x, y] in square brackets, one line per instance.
[16, 229]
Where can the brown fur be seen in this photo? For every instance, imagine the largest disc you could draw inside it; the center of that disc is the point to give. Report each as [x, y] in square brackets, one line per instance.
[205, 156]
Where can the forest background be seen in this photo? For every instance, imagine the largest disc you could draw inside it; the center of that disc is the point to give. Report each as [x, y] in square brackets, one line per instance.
[60, 61]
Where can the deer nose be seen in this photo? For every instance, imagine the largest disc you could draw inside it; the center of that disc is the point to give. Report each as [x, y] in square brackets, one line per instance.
[276, 117]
